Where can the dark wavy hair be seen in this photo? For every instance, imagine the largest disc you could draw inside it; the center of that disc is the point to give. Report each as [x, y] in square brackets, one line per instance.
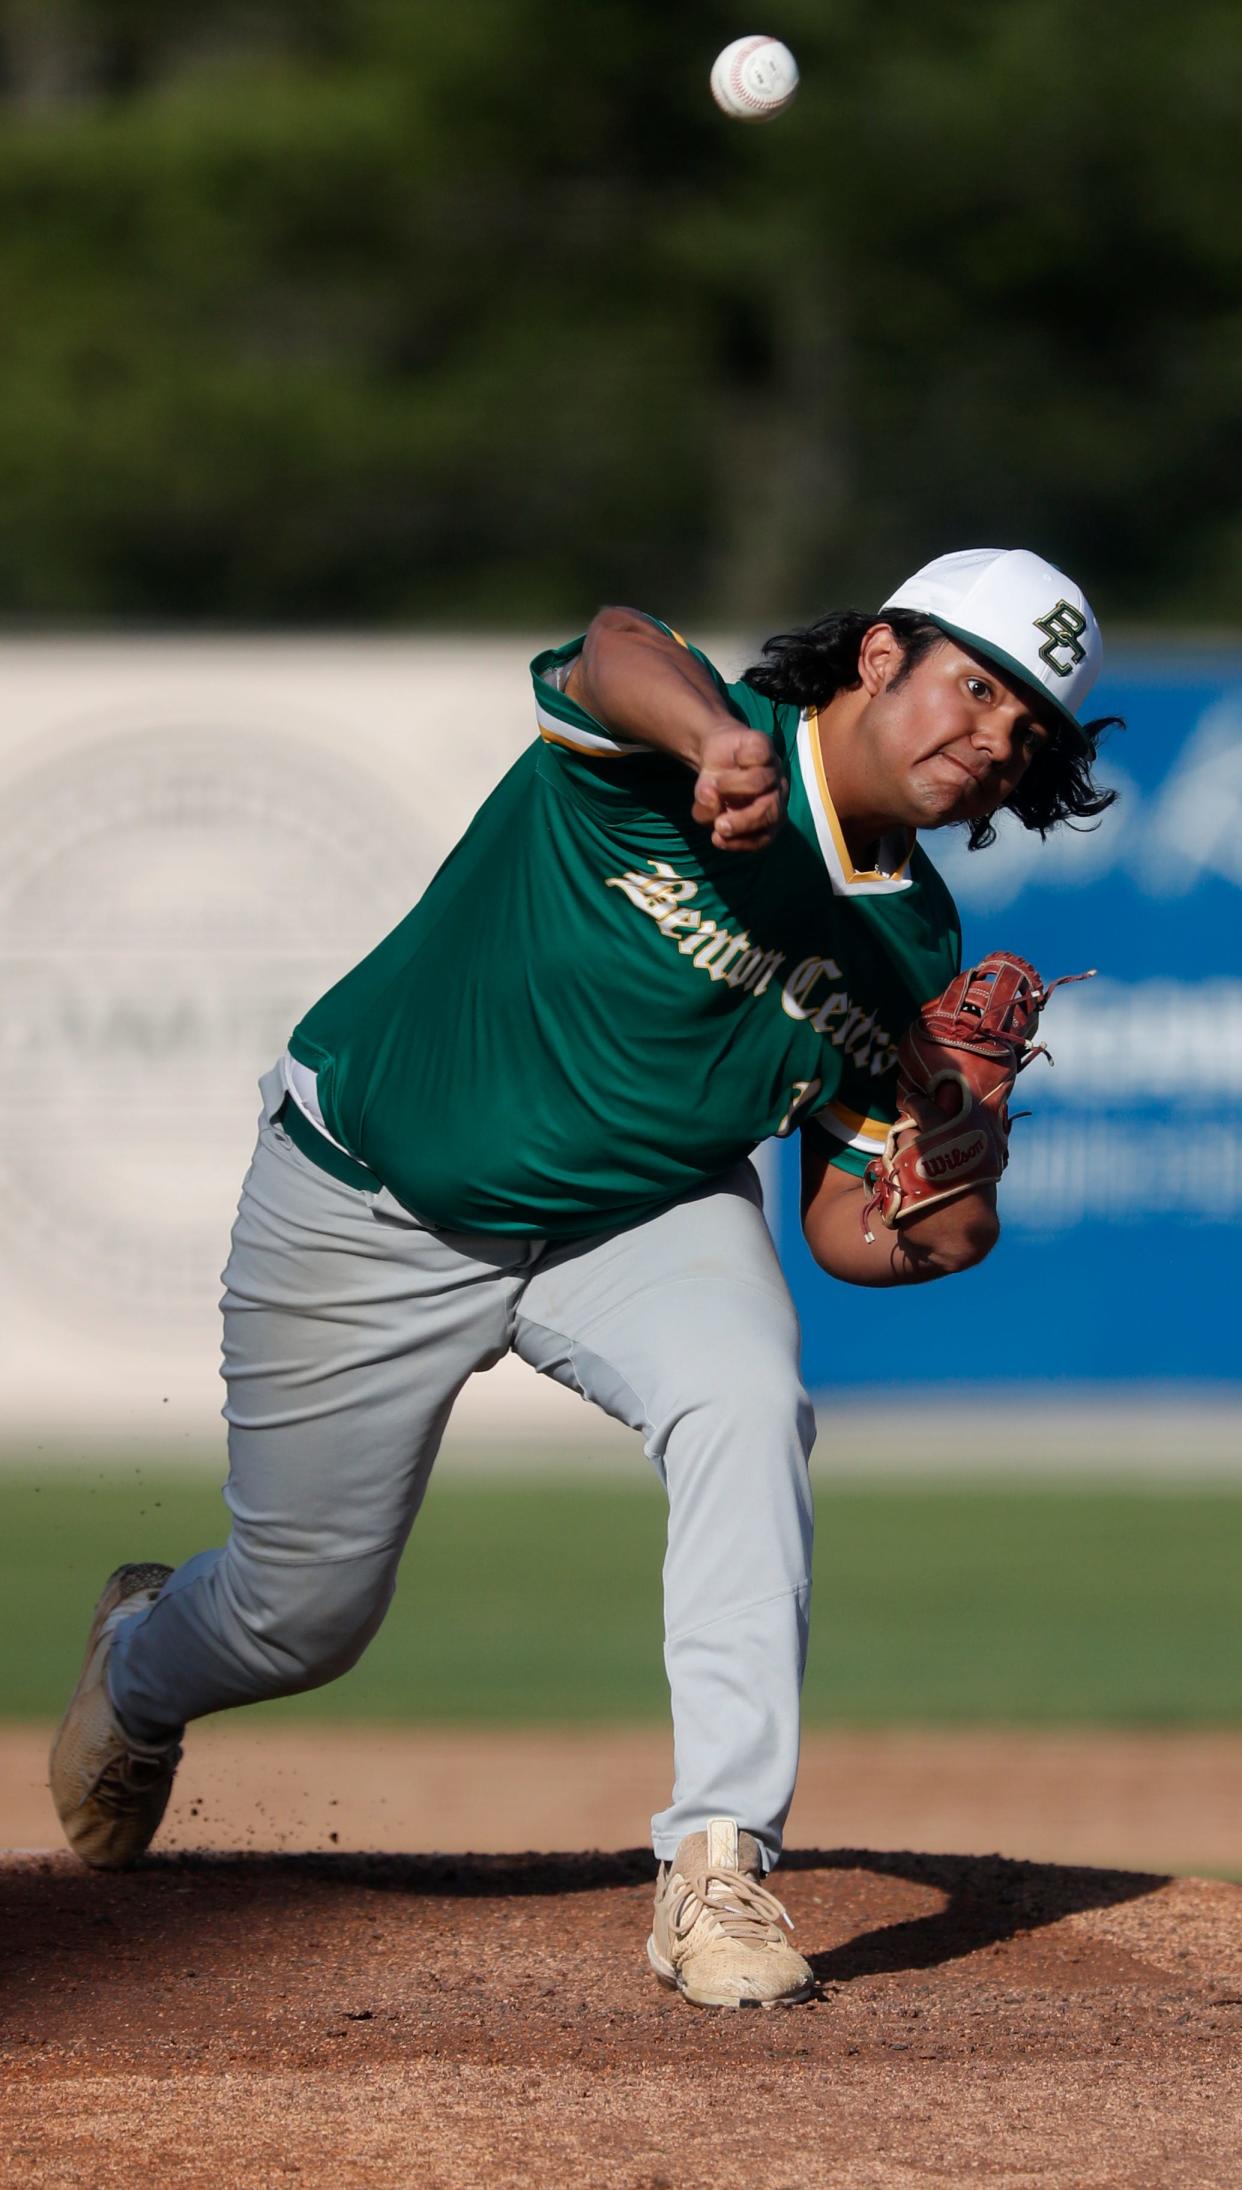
[808, 667]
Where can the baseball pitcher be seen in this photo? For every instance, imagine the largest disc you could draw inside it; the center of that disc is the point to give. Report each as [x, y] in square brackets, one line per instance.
[694, 915]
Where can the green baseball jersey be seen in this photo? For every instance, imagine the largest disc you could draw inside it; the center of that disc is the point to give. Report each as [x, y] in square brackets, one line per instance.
[592, 1011]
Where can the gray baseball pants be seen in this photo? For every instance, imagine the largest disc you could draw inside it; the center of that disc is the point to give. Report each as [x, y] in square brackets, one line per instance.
[350, 1328]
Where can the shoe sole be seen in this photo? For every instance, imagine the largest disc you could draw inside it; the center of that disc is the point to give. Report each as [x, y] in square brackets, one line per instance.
[669, 1976]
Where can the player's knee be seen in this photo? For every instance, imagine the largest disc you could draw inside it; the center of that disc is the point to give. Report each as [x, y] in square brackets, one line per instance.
[307, 1624]
[324, 1644]
[757, 1397]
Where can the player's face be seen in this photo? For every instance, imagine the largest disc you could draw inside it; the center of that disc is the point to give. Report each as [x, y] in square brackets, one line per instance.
[951, 741]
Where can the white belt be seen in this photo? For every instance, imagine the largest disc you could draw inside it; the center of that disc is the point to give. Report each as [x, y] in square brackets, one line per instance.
[302, 1087]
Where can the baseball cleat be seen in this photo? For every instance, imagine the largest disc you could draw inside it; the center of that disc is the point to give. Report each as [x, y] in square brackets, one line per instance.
[110, 1791]
[717, 1935]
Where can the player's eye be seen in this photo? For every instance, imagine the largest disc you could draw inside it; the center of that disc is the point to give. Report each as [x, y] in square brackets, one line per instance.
[979, 688]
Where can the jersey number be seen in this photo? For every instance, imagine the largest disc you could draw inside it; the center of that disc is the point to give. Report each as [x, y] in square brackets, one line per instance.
[804, 1094]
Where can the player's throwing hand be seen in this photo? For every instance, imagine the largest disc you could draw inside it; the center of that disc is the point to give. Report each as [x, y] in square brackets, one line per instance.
[740, 790]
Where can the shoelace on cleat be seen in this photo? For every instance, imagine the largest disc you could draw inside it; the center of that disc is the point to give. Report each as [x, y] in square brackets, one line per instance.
[127, 1780]
[750, 1907]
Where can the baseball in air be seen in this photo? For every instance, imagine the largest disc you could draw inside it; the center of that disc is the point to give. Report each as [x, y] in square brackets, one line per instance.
[754, 79]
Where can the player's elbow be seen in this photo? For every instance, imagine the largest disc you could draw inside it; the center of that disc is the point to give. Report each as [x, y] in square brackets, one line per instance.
[964, 1234]
[610, 624]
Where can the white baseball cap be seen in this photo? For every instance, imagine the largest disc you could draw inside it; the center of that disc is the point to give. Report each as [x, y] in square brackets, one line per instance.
[1019, 612]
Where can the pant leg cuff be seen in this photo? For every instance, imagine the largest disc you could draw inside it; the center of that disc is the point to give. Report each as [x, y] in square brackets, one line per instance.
[665, 1845]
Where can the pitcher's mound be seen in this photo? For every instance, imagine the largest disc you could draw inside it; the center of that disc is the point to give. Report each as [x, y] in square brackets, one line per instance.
[454, 2021]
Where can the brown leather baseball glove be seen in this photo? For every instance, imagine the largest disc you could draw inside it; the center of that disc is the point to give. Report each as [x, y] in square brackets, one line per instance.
[960, 1056]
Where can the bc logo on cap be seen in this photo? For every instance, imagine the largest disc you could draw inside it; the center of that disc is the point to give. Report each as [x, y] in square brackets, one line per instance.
[1062, 626]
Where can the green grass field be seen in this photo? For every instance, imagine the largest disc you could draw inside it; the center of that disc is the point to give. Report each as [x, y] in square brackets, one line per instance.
[540, 1601]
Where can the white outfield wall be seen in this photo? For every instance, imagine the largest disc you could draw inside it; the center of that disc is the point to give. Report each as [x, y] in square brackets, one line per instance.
[196, 838]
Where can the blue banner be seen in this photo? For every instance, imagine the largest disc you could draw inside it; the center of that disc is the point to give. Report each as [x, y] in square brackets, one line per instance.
[1121, 1246]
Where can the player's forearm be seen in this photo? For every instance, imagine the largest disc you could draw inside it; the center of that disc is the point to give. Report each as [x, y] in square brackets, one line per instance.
[645, 688]
[954, 1236]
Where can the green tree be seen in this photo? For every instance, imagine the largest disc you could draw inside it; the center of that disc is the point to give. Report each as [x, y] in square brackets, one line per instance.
[374, 313]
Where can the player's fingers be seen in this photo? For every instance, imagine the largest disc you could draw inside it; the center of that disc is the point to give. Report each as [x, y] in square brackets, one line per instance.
[758, 843]
[736, 789]
[759, 812]
[749, 828]
[743, 816]
[746, 783]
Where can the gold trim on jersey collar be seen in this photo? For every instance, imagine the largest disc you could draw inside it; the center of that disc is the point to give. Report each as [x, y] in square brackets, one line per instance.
[849, 871]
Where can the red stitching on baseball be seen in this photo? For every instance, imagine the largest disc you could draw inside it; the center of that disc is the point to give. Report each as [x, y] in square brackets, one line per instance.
[736, 86]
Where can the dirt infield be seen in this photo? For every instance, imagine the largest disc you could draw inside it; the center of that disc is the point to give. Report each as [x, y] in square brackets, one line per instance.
[343, 2018]
[450, 2022]
[1162, 1801]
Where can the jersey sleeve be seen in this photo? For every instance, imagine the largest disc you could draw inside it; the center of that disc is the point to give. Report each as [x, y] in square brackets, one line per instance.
[852, 1137]
[560, 720]
[563, 724]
